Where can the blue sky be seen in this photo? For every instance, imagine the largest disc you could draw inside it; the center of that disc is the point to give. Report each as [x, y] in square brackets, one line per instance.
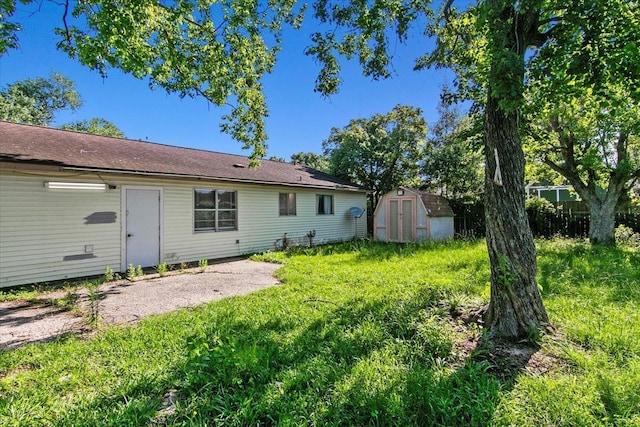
[299, 119]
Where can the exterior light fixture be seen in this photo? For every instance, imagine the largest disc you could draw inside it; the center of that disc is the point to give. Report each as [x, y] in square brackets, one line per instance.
[400, 192]
[74, 185]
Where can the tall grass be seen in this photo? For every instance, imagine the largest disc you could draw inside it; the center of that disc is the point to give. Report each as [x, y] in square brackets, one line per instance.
[359, 334]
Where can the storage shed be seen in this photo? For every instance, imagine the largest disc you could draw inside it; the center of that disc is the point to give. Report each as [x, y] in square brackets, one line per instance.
[409, 215]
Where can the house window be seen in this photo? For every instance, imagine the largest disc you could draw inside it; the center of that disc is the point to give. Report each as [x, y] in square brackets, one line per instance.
[287, 204]
[215, 210]
[324, 204]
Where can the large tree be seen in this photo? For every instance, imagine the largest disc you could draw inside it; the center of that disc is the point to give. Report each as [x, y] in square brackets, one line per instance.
[584, 108]
[487, 46]
[222, 50]
[595, 150]
[36, 101]
[380, 152]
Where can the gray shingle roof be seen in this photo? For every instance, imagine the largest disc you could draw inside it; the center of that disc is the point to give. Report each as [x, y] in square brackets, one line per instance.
[76, 150]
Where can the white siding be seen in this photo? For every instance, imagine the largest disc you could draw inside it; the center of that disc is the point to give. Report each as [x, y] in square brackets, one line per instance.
[442, 228]
[44, 232]
[259, 222]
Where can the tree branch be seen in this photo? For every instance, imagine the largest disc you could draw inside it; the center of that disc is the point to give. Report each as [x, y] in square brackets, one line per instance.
[446, 11]
[64, 22]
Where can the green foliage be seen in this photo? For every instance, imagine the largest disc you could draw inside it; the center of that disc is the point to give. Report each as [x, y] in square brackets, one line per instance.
[96, 126]
[381, 152]
[35, 101]
[8, 29]
[216, 50]
[361, 30]
[360, 333]
[454, 160]
[313, 160]
[93, 291]
[203, 264]
[583, 112]
[625, 236]
[108, 274]
[133, 272]
[162, 269]
[540, 213]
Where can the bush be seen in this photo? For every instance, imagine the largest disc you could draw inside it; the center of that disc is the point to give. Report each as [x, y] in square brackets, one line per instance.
[542, 215]
[625, 236]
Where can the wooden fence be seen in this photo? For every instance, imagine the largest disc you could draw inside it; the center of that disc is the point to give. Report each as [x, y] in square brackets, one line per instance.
[469, 222]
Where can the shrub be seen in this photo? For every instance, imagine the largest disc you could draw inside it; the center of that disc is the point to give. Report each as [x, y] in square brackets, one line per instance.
[625, 236]
[541, 214]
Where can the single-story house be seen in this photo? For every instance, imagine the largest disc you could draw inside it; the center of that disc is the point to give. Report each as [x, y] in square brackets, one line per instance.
[73, 203]
[409, 215]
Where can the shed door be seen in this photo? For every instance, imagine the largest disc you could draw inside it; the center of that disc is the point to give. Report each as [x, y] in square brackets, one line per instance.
[401, 220]
[143, 227]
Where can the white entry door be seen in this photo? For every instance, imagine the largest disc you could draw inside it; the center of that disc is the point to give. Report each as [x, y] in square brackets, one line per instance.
[142, 227]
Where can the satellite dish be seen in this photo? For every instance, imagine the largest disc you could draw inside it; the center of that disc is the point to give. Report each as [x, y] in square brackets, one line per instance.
[356, 211]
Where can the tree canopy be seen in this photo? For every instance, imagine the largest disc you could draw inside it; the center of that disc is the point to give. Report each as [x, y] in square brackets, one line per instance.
[96, 126]
[453, 160]
[380, 152]
[216, 50]
[593, 147]
[313, 160]
[583, 108]
[35, 101]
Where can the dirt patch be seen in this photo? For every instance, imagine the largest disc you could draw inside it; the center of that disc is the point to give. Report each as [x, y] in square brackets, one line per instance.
[124, 301]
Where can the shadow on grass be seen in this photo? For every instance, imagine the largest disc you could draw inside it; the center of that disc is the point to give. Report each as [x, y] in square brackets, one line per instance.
[359, 364]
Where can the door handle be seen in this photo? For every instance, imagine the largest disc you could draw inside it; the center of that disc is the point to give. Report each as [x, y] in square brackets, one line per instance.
[129, 235]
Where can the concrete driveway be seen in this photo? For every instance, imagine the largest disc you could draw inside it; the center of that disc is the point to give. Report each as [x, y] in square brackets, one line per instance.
[125, 301]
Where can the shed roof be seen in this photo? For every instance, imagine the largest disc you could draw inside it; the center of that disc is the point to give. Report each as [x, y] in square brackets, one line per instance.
[436, 205]
[71, 150]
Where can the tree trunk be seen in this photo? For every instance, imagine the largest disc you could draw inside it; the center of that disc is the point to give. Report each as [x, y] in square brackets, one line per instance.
[515, 310]
[602, 220]
[602, 209]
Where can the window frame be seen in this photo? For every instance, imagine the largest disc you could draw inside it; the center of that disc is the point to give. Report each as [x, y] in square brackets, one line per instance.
[217, 211]
[324, 204]
[287, 208]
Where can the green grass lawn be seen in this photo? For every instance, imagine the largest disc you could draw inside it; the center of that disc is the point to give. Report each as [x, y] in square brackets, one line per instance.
[358, 334]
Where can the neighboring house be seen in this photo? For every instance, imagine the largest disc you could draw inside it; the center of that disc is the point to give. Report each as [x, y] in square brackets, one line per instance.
[409, 215]
[72, 204]
[553, 193]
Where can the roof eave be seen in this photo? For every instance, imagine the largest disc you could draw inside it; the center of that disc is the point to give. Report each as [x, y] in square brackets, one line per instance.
[339, 187]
